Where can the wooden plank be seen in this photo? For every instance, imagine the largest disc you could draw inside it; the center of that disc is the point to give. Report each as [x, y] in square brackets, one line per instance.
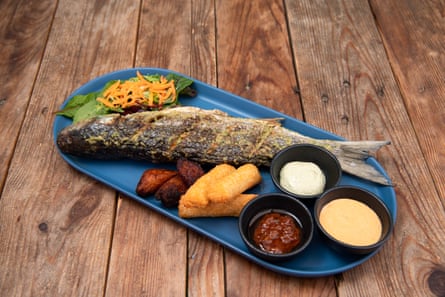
[258, 281]
[413, 33]
[206, 271]
[205, 276]
[348, 87]
[148, 254]
[23, 32]
[257, 64]
[56, 223]
[203, 54]
[205, 268]
[153, 254]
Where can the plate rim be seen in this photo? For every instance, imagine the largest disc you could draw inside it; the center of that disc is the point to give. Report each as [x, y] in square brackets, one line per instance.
[125, 73]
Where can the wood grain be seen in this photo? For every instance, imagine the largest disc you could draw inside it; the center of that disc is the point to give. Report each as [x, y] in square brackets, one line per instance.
[155, 257]
[247, 279]
[206, 270]
[203, 45]
[257, 65]
[361, 69]
[56, 223]
[24, 29]
[416, 47]
[164, 41]
[347, 43]
[148, 254]
[413, 33]
[340, 87]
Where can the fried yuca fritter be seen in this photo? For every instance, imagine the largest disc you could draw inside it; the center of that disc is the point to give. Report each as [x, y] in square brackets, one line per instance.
[231, 185]
[196, 195]
[230, 208]
[223, 181]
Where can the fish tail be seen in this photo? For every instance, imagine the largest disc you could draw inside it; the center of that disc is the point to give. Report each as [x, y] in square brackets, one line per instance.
[352, 156]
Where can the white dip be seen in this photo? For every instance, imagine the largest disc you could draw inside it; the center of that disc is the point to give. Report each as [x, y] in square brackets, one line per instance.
[302, 178]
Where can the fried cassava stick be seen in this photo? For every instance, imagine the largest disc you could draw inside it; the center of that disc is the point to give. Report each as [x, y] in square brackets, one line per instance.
[230, 208]
[196, 196]
[235, 183]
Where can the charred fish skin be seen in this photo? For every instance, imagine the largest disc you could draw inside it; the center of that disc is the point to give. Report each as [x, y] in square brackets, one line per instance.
[205, 136]
[165, 136]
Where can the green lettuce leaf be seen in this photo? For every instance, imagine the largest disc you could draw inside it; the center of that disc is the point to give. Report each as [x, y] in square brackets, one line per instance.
[81, 107]
[90, 109]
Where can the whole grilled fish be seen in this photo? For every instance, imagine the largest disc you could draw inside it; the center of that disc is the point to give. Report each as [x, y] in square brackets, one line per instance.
[206, 136]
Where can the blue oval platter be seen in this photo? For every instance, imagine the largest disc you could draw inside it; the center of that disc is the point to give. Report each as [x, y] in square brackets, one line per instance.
[317, 259]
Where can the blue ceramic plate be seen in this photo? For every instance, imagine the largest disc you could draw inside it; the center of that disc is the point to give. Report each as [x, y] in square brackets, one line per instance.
[316, 260]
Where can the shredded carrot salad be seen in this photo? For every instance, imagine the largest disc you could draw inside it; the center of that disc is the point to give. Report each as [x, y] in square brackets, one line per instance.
[140, 92]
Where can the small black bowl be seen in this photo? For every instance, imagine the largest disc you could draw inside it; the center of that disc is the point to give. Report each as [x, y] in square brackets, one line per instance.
[365, 197]
[277, 203]
[323, 158]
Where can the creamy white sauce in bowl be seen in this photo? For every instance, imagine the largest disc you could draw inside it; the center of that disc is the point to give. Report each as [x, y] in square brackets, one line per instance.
[302, 178]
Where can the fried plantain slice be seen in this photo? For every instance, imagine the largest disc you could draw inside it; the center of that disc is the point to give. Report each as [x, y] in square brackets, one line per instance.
[170, 192]
[190, 171]
[152, 179]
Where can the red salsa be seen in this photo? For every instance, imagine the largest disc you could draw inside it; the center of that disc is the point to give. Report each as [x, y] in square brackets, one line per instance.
[277, 233]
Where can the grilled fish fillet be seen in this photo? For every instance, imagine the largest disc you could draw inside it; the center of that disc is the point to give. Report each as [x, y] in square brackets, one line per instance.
[206, 136]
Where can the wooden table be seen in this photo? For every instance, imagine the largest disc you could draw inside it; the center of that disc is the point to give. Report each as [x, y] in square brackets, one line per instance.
[360, 69]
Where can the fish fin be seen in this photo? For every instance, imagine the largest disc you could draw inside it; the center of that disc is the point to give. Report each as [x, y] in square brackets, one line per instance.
[363, 170]
[353, 160]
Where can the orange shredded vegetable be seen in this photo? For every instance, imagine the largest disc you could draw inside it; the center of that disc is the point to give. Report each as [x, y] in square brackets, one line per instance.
[139, 92]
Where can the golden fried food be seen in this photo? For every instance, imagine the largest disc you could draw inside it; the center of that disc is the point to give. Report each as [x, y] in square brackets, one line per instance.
[231, 208]
[196, 195]
[190, 171]
[170, 192]
[152, 179]
[235, 183]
